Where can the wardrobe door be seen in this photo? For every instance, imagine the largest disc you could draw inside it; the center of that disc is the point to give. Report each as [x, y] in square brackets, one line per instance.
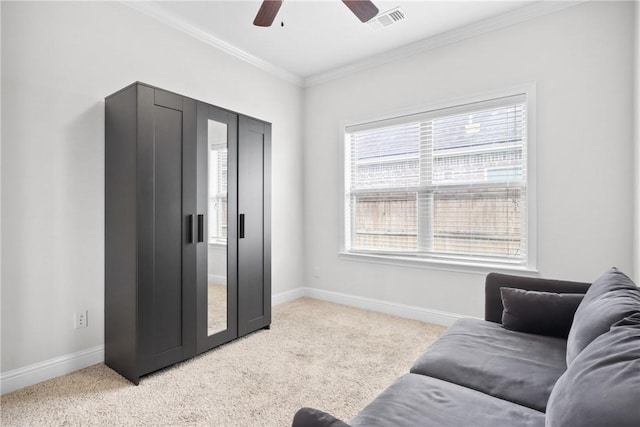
[217, 320]
[254, 225]
[166, 228]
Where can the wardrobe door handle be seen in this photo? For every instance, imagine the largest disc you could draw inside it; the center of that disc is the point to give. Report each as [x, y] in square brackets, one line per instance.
[241, 231]
[201, 228]
[190, 229]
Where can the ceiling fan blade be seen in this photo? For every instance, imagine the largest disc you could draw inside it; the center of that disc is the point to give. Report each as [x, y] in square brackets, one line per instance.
[363, 9]
[267, 13]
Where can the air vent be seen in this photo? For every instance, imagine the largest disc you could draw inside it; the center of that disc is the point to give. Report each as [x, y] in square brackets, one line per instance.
[387, 18]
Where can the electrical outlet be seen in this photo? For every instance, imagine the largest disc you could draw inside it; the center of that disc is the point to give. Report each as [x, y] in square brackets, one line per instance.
[81, 319]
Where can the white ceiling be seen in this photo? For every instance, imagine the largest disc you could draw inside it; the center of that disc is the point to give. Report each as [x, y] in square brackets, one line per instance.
[320, 36]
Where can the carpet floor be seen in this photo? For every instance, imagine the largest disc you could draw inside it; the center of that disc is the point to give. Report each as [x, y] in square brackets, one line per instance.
[329, 356]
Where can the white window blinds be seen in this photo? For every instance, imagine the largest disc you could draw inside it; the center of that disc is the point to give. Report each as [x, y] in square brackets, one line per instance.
[450, 183]
[218, 193]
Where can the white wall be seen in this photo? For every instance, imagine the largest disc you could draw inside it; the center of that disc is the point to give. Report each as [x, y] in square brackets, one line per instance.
[59, 61]
[581, 60]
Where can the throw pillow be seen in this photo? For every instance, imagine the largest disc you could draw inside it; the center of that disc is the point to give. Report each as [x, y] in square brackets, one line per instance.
[306, 417]
[611, 280]
[602, 385]
[612, 297]
[542, 313]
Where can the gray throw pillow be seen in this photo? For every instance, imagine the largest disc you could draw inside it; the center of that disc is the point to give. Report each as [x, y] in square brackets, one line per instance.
[542, 313]
[310, 417]
[611, 280]
[612, 297]
[602, 385]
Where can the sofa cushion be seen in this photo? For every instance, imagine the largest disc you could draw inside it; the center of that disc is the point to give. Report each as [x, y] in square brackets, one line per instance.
[601, 387]
[417, 400]
[611, 298]
[543, 313]
[484, 356]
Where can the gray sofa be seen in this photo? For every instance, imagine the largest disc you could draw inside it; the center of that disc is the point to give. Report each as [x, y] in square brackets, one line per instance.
[549, 353]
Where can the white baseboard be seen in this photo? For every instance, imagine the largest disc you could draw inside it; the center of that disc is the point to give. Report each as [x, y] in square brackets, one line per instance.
[38, 372]
[287, 296]
[401, 310]
[42, 371]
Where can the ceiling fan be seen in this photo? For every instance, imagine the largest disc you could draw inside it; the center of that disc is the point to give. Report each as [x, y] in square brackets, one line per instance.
[363, 9]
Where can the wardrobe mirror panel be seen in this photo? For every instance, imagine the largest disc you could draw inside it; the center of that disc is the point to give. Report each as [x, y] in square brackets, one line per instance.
[217, 227]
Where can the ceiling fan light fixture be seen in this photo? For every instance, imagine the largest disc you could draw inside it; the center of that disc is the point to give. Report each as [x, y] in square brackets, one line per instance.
[363, 9]
[267, 13]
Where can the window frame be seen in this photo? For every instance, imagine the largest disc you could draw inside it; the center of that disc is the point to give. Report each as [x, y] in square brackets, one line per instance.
[455, 263]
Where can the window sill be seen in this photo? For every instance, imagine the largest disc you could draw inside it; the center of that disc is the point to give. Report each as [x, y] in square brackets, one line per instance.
[435, 264]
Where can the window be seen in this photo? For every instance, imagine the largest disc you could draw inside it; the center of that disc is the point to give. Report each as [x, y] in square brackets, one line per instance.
[218, 193]
[444, 185]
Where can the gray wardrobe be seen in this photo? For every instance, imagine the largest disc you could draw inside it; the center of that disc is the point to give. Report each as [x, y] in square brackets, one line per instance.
[187, 228]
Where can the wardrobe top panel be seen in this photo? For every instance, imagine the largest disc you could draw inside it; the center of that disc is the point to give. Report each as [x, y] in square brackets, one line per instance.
[138, 83]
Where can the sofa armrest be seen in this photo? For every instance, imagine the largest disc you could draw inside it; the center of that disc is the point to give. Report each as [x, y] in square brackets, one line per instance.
[493, 301]
[309, 417]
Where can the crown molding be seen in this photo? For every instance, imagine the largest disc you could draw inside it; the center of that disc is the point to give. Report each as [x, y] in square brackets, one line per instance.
[525, 13]
[158, 13]
[507, 19]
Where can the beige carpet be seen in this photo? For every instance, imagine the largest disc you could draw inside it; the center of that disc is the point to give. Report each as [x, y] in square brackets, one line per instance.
[318, 354]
